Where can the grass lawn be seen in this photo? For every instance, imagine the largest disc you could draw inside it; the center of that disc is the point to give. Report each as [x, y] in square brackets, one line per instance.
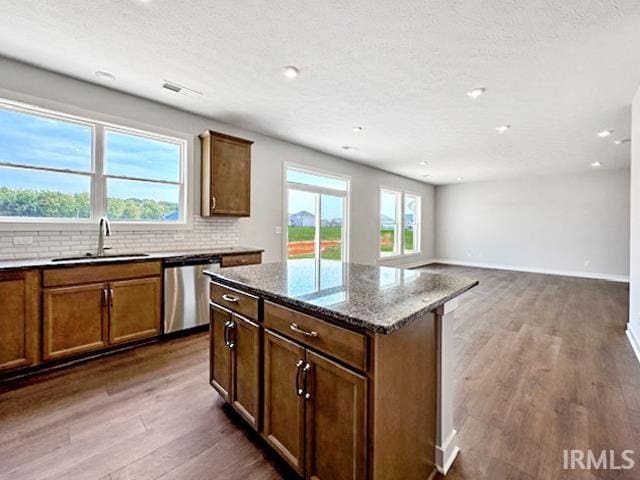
[307, 234]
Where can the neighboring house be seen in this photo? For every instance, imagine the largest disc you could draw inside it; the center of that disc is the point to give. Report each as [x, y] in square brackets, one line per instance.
[386, 220]
[302, 219]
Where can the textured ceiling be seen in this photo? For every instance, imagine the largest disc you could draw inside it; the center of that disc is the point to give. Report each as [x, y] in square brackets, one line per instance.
[558, 71]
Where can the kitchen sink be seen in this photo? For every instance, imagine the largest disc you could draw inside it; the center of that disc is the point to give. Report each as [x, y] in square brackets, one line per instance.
[91, 256]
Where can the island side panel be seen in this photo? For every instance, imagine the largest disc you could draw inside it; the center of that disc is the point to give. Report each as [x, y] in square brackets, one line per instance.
[446, 435]
[402, 415]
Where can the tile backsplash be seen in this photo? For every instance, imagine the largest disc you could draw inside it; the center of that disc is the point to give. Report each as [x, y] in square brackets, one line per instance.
[206, 234]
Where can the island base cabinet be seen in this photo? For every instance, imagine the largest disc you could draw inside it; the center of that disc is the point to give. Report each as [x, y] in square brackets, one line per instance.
[235, 362]
[19, 319]
[134, 309]
[283, 401]
[75, 320]
[335, 421]
[315, 411]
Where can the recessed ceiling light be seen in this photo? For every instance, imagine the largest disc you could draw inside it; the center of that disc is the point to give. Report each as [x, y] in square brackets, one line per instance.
[423, 163]
[476, 92]
[503, 128]
[596, 164]
[291, 71]
[102, 75]
[358, 128]
[605, 133]
[460, 179]
[623, 141]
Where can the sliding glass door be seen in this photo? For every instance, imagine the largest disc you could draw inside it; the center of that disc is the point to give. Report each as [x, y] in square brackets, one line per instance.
[316, 216]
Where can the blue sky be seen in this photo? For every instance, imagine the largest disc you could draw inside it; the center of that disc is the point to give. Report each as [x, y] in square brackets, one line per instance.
[44, 142]
[300, 200]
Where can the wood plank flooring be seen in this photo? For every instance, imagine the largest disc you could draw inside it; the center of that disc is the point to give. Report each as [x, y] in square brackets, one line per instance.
[543, 364]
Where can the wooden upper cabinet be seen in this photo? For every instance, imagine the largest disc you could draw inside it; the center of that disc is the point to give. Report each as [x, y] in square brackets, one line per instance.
[19, 319]
[75, 320]
[226, 175]
[134, 309]
[335, 421]
[283, 406]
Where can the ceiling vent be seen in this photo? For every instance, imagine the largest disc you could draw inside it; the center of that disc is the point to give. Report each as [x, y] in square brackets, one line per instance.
[174, 87]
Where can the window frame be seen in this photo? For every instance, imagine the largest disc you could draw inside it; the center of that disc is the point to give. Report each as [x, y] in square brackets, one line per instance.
[345, 194]
[98, 177]
[400, 223]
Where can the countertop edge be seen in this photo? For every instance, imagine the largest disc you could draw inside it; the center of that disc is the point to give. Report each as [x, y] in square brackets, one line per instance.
[341, 320]
[47, 263]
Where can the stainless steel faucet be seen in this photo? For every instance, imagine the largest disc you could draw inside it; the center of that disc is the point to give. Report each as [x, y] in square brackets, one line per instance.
[104, 231]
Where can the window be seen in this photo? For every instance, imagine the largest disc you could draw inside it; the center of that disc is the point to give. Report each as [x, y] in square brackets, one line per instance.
[399, 223]
[316, 207]
[55, 167]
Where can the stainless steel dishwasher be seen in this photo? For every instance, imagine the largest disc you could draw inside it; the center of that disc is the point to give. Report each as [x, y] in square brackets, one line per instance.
[186, 293]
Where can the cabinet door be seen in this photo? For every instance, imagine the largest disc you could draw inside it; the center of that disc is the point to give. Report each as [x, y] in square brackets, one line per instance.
[75, 320]
[231, 177]
[134, 309]
[283, 406]
[246, 367]
[219, 352]
[335, 416]
[19, 314]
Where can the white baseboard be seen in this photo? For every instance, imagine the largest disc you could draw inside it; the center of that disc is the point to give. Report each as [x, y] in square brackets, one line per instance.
[633, 339]
[564, 273]
[447, 453]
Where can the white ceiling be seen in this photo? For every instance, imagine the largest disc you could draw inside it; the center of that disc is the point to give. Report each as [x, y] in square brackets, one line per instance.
[558, 71]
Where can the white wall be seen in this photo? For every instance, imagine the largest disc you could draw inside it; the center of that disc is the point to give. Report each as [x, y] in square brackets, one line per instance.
[50, 90]
[634, 285]
[574, 224]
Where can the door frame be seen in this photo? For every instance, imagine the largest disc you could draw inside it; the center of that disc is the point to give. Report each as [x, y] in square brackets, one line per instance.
[346, 208]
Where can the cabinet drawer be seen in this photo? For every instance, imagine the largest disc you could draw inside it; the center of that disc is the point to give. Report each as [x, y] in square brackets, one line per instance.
[243, 259]
[239, 302]
[340, 343]
[78, 275]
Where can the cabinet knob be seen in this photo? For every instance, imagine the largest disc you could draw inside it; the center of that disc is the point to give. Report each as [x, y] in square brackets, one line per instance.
[213, 203]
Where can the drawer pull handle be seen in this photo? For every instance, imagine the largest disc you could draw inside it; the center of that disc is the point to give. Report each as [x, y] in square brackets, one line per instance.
[296, 328]
[230, 298]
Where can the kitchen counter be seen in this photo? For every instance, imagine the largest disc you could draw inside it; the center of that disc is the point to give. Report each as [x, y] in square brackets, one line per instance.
[378, 299]
[28, 263]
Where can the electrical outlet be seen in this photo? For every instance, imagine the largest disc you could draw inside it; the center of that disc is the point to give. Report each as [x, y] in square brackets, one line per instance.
[587, 263]
[278, 230]
[22, 240]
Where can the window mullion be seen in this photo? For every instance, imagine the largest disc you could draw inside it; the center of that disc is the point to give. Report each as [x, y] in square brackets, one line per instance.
[99, 197]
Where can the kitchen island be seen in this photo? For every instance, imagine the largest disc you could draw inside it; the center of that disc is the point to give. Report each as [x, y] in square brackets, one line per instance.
[344, 369]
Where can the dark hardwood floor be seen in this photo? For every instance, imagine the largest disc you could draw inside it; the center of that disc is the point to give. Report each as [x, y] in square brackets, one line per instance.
[543, 365]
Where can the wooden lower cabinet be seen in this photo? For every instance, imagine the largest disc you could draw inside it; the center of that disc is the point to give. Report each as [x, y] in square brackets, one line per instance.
[335, 421]
[75, 320]
[245, 360]
[220, 354]
[235, 362]
[94, 316]
[315, 411]
[19, 319]
[283, 405]
[134, 309]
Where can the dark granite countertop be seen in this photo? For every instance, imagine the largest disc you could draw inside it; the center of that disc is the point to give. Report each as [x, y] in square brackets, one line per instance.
[379, 299]
[214, 253]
